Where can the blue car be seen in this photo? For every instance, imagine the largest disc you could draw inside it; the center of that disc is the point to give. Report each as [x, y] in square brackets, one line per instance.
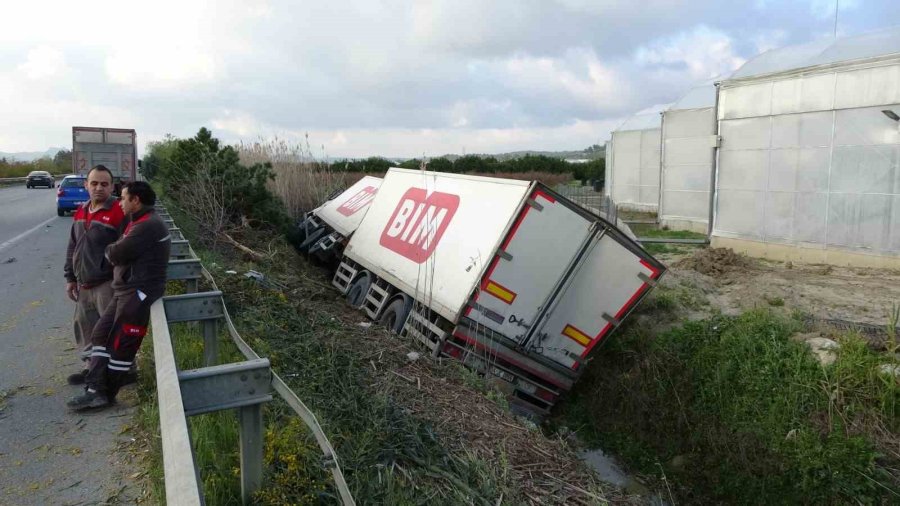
[71, 194]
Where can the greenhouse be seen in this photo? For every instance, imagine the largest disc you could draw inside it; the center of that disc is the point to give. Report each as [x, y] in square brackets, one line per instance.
[688, 159]
[810, 147]
[632, 173]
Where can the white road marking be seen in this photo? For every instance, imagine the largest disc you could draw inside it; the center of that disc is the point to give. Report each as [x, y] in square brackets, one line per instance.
[25, 234]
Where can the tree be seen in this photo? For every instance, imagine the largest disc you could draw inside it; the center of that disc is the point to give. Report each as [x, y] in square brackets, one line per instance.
[63, 161]
[376, 164]
[212, 185]
[440, 165]
[412, 163]
[475, 163]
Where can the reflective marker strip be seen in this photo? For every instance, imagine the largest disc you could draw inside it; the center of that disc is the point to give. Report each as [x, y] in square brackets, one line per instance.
[500, 291]
[576, 335]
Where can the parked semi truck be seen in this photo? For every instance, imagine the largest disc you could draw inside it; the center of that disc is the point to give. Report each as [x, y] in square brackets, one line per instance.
[508, 276]
[115, 148]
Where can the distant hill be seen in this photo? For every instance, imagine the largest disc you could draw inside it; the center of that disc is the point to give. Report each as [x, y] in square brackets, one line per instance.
[29, 156]
[591, 153]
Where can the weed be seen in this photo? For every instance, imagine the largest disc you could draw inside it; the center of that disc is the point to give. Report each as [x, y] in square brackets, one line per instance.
[754, 416]
[891, 330]
[775, 301]
[643, 230]
[670, 297]
[384, 451]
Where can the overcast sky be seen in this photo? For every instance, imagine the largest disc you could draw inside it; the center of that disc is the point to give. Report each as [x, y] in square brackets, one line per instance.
[393, 78]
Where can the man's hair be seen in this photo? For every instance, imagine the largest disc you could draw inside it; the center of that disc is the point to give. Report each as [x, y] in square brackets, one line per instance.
[142, 191]
[102, 168]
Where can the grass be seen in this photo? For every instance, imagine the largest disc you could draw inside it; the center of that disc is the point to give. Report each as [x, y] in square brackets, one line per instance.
[291, 455]
[642, 230]
[388, 455]
[745, 410]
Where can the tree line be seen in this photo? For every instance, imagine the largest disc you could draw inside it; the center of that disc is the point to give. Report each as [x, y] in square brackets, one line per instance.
[59, 164]
[480, 164]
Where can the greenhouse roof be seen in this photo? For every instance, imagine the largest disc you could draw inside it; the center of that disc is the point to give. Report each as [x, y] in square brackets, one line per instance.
[647, 119]
[699, 97]
[823, 52]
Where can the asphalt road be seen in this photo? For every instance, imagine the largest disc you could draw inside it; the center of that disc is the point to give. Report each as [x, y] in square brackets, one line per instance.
[47, 454]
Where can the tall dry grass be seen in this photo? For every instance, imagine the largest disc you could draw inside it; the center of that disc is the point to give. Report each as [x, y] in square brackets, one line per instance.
[302, 181]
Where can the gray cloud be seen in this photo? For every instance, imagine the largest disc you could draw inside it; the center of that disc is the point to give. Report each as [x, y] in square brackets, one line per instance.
[509, 72]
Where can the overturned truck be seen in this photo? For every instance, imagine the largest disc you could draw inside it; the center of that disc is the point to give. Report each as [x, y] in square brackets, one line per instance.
[511, 278]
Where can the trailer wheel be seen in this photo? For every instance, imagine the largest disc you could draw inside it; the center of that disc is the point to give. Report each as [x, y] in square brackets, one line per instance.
[301, 229]
[394, 316]
[356, 295]
[313, 236]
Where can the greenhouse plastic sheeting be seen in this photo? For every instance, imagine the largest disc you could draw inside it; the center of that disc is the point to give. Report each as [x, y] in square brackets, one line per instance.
[635, 162]
[826, 51]
[635, 168]
[688, 137]
[826, 179]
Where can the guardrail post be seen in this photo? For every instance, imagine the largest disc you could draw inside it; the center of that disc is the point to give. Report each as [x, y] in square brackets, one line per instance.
[251, 420]
[210, 343]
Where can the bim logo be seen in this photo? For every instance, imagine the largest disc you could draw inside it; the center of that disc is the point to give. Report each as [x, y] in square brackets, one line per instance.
[418, 223]
[360, 200]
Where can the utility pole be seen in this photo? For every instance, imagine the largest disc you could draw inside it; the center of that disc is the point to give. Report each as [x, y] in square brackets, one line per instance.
[836, 7]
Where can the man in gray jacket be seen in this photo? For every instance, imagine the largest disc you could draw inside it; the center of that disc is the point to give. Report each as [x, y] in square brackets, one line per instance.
[97, 224]
[140, 260]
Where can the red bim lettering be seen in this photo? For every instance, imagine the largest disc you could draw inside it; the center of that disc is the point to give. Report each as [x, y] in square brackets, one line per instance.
[418, 223]
[358, 201]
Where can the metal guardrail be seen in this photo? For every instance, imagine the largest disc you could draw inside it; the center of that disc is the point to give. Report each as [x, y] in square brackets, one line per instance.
[12, 180]
[244, 386]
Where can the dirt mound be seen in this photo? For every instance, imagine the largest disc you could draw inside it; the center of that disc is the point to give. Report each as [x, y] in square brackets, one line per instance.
[714, 261]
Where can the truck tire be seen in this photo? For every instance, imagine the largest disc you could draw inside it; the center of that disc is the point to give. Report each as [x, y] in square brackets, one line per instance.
[301, 229]
[327, 258]
[311, 239]
[394, 316]
[356, 295]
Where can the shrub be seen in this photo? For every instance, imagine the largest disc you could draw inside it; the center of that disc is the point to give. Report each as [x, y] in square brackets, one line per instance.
[755, 417]
[210, 184]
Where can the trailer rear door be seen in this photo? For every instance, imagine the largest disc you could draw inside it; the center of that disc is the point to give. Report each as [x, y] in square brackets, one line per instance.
[534, 257]
[613, 276]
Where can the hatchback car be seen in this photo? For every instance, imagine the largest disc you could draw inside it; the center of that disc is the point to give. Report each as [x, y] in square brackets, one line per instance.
[71, 194]
[39, 178]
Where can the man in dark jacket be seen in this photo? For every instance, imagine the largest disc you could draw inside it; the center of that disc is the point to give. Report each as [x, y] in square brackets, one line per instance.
[140, 261]
[98, 223]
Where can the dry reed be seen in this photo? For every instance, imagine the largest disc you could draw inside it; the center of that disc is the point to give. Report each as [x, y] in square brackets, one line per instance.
[301, 180]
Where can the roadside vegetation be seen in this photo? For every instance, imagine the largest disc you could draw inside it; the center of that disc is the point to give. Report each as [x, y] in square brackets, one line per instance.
[737, 410]
[59, 164]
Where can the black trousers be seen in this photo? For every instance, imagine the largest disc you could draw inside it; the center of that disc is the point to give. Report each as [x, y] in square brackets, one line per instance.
[116, 339]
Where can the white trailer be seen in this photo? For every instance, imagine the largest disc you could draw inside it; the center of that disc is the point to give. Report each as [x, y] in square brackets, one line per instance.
[325, 230]
[509, 276]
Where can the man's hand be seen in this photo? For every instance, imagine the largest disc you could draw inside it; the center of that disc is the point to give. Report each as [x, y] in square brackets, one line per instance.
[72, 290]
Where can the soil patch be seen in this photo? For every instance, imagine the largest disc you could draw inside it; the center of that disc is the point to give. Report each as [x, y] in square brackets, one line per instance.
[714, 261]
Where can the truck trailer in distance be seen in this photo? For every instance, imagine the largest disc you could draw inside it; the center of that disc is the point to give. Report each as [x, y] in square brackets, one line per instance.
[115, 148]
[508, 276]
